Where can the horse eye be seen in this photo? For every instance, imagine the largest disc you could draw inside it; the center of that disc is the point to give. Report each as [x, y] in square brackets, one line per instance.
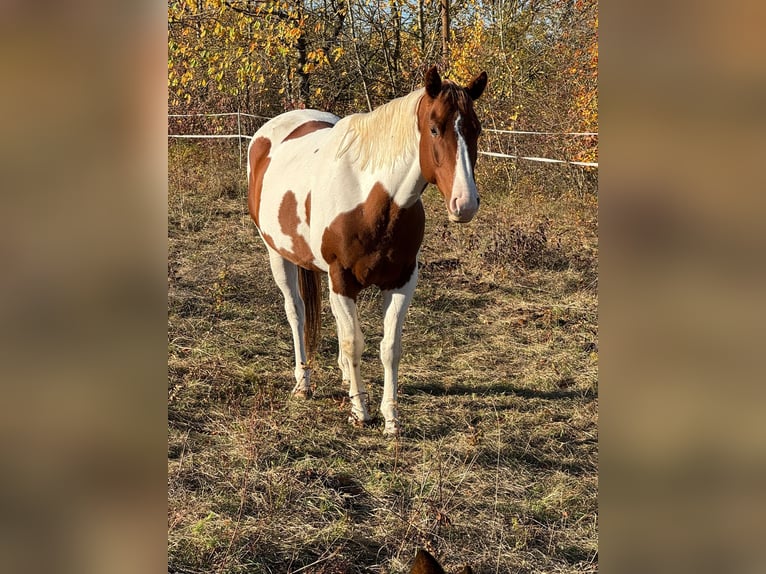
[434, 131]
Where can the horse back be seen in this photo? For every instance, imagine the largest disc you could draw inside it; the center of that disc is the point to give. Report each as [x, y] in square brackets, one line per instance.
[294, 124]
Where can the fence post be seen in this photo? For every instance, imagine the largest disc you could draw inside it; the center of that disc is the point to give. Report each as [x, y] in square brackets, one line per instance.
[239, 137]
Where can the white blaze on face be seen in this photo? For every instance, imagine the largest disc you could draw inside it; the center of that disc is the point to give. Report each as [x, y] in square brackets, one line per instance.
[464, 202]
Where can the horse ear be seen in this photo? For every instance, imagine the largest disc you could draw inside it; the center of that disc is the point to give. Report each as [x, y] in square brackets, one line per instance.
[477, 85]
[424, 563]
[433, 82]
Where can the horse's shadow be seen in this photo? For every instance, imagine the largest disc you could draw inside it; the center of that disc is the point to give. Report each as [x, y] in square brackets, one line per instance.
[347, 490]
[438, 427]
[494, 389]
[457, 306]
[337, 392]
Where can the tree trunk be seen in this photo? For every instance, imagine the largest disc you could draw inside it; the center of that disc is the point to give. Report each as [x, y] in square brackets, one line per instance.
[444, 6]
[397, 44]
[421, 28]
[355, 40]
[304, 79]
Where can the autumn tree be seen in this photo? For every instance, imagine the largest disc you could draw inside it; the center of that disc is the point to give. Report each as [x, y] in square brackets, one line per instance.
[267, 56]
[242, 52]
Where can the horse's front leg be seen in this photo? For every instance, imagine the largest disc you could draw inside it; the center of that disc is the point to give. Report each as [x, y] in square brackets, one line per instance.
[395, 305]
[343, 363]
[351, 343]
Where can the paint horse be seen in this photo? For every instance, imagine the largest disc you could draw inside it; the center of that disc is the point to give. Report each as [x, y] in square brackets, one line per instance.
[343, 197]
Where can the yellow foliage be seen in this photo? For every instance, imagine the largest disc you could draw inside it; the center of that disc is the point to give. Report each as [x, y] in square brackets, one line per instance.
[464, 53]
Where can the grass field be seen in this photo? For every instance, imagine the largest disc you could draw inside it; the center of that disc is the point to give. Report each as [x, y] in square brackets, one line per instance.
[497, 465]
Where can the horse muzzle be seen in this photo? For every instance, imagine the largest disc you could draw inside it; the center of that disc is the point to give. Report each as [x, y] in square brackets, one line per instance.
[462, 210]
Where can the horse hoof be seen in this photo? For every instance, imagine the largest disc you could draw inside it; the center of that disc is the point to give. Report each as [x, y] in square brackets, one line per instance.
[392, 429]
[302, 393]
[357, 422]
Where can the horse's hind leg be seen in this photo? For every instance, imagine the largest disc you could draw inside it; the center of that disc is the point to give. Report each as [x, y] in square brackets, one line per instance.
[395, 305]
[351, 343]
[286, 277]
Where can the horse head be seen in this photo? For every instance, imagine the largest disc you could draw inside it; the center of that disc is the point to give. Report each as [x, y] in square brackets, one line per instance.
[449, 134]
[424, 563]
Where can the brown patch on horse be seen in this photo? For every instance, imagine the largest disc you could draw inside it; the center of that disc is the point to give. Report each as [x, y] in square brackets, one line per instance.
[308, 208]
[307, 128]
[269, 241]
[437, 154]
[289, 255]
[259, 162]
[376, 243]
[289, 220]
[288, 215]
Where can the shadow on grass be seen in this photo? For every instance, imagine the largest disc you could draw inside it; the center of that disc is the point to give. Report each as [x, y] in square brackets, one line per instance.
[348, 491]
[437, 301]
[538, 462]
[494, 389]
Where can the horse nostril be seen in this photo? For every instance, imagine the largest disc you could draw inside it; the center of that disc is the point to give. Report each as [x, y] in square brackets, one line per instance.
[453, 206]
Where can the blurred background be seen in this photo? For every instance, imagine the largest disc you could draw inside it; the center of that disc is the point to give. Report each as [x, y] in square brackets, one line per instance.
[681, 298]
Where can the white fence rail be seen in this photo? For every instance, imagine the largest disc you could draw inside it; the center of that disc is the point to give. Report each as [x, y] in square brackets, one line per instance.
[240, 136]
[540, 133]
[541, 159]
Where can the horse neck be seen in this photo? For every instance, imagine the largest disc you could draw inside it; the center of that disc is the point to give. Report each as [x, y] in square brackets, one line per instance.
[384, 147]
[407, 181]
[402, 176]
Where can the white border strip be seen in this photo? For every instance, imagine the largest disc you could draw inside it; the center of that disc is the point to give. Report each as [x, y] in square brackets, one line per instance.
[542, 159]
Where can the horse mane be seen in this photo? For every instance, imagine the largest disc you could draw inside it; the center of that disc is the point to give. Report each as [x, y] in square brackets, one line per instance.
[457, 97]
[383, 136]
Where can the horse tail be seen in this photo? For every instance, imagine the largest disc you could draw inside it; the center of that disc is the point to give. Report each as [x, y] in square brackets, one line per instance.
[310, 288]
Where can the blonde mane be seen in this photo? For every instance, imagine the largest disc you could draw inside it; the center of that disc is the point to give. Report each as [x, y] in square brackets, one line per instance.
[385, 135]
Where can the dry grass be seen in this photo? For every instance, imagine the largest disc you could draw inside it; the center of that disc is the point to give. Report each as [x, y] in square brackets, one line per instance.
[498, 395]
